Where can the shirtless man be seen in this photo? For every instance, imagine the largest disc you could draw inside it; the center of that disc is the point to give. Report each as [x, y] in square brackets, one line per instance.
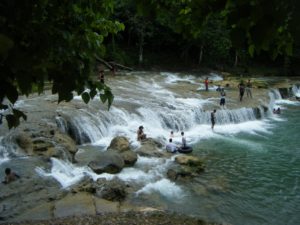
[140, 134]
[10, 176]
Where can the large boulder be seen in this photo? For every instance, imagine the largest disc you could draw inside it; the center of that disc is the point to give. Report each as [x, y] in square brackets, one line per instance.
[120, 144]
[107, 162]
[24, 141]
[151, 148]
[85, 185]
[187, 167]
[189, 160]
[129, 157]
[44, 142]
[112, 190]
[75, 205]
[66, 142]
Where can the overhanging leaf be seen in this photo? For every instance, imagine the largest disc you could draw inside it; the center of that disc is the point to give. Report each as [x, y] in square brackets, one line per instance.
[12, 121]
[103, 98]
[85, 97]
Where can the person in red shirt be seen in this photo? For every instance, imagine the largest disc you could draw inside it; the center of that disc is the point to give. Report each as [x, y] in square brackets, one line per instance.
[206, 83]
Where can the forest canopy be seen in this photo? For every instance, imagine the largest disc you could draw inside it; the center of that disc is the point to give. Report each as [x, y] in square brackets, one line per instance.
[60, 41]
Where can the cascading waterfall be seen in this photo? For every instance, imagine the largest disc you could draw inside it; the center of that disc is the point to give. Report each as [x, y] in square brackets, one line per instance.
[154, 103]
[8, 149]
[87, 127]
[296, 90]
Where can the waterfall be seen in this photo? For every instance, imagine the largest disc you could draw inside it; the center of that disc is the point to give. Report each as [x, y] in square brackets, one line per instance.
[86, 127]
[296, 90]
[4, 153]
[160, 103]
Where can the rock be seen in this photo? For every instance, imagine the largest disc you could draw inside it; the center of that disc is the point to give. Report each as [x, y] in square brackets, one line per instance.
[24, 141]
[78, 204]
[108, 162]
[40, 212]
[67, 142]
[153, 142]
[85, 185]
[41, 145]
[112, 190]
[188, 167]
[119, 144]
[181, 173]
[129, 158]
[104, 206]
[150, 148]
[188, 160]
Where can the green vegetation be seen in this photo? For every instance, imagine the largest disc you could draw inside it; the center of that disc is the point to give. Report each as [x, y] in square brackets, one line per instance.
[60, 41]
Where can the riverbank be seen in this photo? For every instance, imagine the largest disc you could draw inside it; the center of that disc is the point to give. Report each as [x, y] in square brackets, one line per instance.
[129, 218]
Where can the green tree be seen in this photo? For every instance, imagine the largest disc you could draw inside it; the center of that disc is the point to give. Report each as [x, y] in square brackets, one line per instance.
[56, 41]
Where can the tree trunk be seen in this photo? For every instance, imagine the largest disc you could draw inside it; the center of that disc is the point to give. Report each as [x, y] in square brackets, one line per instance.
[129, 38]
[113, 43]
[200, 55]
[236, 58]
[141, 45]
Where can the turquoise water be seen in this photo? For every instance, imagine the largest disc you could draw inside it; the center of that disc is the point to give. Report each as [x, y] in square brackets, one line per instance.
[250, 178]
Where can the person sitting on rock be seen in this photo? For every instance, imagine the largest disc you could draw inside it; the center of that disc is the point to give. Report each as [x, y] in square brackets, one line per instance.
[171, 147]
[10, 176]
[140, 134]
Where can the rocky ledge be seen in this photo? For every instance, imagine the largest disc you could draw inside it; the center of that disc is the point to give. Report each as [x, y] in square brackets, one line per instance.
[146, 217]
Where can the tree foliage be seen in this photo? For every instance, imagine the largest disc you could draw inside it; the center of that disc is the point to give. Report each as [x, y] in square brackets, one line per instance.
[55, 41]
[58, 41]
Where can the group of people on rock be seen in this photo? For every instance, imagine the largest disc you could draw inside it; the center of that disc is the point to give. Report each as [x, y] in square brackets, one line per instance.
[172, 147]
[245, 87]
[242, 89]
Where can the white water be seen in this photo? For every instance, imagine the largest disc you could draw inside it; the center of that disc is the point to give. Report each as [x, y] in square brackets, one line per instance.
[296, 90]
[154, 103]
[4, 155]
[147, 172]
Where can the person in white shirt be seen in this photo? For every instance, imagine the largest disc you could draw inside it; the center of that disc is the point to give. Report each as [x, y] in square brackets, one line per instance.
[171, 147]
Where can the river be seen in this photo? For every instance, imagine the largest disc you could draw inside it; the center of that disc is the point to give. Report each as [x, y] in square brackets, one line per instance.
[252, 159]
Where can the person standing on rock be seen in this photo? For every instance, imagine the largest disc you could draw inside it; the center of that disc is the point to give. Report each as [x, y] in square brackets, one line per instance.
[10, 176]
[242, 90]
[222, 100]
[213, 118]
[249, 89]
[206, 83]
[183, 140]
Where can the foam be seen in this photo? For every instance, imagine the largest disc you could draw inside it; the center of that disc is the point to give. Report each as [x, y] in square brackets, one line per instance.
[164, 187]
[172, 78]
[64, 172]
[286, 102]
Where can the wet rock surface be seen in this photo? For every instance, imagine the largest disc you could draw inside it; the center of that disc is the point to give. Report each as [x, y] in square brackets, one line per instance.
[143, 217]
